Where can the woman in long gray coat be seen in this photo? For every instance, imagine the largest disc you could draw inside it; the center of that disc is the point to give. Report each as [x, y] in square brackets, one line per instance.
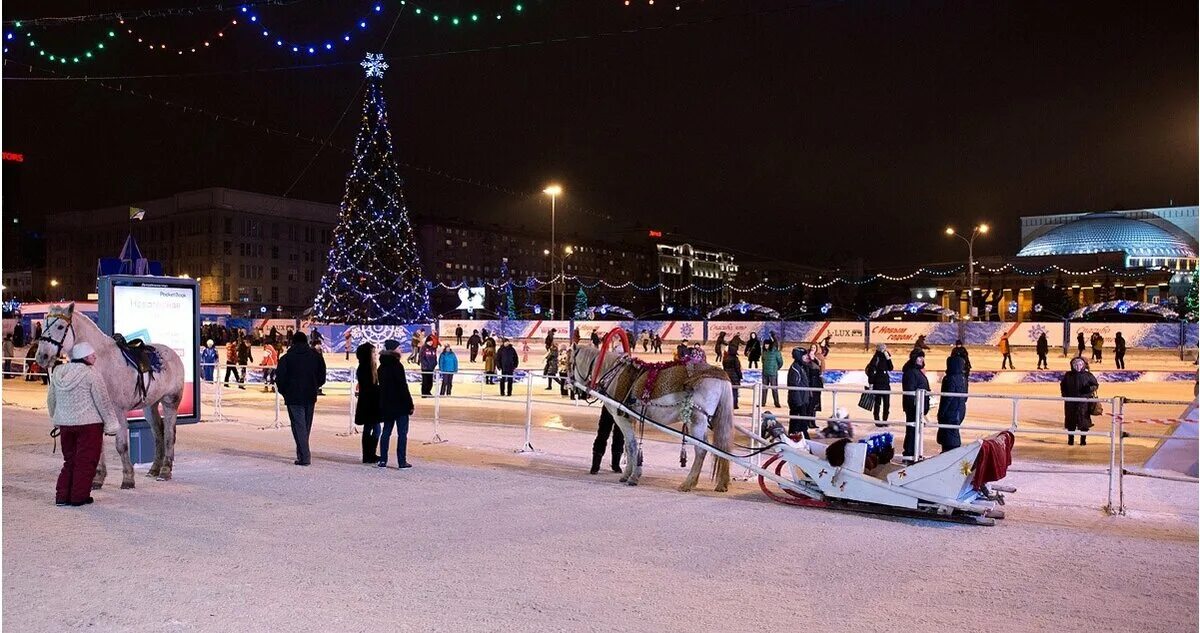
[81, 410]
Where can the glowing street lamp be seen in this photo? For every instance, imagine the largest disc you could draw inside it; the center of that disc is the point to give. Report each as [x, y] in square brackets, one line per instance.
[554, 191]
[980, 229]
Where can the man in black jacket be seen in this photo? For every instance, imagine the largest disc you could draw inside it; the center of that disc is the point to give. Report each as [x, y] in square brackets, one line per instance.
[506, 362]
[473, 344]
[428, 359]
[243, 360]
[395, 404]
[458, 335]
[798, 401]
[913, 379]
[299, 378]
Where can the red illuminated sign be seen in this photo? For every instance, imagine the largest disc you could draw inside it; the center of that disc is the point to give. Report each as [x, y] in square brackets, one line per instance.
[654, 233]
[14, 157]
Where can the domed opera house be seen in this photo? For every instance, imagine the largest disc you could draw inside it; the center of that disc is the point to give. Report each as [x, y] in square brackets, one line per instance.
[1137, 255]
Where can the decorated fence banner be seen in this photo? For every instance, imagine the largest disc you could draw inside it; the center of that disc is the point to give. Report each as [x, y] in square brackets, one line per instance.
[1019, 334]
[1144, 335]
[536, 329]
[333, 337]
[906, 333]
[740, 328]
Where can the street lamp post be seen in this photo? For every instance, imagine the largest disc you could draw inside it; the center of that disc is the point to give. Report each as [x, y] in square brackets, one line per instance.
[980, 229]
[562, 297]
[553, 191]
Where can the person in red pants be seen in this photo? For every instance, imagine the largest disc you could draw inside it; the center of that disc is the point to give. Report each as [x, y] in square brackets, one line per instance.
[83, 413]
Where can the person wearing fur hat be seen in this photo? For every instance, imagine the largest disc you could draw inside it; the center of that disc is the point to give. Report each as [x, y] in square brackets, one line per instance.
[798, 400]
[82, 412]
[208, 360]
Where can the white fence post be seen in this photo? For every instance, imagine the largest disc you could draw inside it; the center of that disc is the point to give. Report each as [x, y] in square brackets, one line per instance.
[528, 446]
[437, 413]
[919, 431]
[1118, 407]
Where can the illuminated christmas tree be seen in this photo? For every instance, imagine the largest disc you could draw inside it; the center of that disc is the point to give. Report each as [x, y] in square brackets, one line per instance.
[374, 275]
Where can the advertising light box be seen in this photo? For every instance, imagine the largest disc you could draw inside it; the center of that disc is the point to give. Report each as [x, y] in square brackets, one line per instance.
[159, 311]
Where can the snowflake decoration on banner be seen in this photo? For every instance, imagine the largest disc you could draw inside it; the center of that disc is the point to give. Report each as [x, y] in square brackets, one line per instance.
[377, 334]
[1036, 331]
[685, 330]
[374, 65]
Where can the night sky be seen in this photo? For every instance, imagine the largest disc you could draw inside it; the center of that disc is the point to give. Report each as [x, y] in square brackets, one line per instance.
[808, 132]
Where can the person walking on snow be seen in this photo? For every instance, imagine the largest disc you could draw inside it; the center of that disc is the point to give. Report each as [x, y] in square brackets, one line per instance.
[448, 366]
[458, 332]
[914, 378]
[506, 362]
[733, 368]
[270, 360]
[395, 405]
[879, 378]
[1077, 416]
[347, 336]
[551, 367]
[299, 378]
[1097, 347]
[719, 346]
[82, 412]
[366, 409]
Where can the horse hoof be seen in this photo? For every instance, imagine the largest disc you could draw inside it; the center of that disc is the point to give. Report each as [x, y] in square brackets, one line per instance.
[165, 476]
[721, 488]
[126, 485]
[685, 488]
[151, 473]
[96, 486]
[631, 482]
[624, 479]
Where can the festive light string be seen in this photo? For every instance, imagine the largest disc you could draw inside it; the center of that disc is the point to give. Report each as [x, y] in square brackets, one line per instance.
[536, 283]
[137, 14]
[248, 17]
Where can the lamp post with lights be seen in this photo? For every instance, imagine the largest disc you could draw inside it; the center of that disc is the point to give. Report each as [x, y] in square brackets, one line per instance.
[980, 229]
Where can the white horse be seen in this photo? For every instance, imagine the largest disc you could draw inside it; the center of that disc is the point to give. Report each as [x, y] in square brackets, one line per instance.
[711, 404]
[63, 328]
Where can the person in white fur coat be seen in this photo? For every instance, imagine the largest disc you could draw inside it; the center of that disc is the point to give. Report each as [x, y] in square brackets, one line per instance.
[82, 412]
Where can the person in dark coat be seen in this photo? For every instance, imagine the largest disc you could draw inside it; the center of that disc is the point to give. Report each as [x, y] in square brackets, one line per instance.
[428, 359]
[595, 338]
[458, 332]
[1043, 350]
[299, 378]
[1097, 347]
[798, 399]
[1078, 383]
[952, 410]
[753, 351]
[772, 362]
[1079, 342]
[921, 345]
[816, 379]
[607, 426]
[879, 378]
[395, 405]
[506, 362]
[473, 344]
[719, 346]
[550, 339]
[914, 378]
[18, 334]
[243, 359]
[366, 410]
[1119, 350]
[682, 350]
[961, 350]
[733, 368]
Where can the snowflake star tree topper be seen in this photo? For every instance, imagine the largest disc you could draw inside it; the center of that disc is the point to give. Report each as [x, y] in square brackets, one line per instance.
[374, 65]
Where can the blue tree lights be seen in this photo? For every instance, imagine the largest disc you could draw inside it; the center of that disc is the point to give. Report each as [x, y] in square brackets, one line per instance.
[374, 275]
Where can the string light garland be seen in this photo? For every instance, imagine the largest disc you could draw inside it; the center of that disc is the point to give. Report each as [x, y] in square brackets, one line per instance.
[374, 275]
[535, 283]
[248, 17]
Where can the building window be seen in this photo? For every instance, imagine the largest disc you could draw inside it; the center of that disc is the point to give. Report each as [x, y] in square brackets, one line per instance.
[228, 226]
[274, 273]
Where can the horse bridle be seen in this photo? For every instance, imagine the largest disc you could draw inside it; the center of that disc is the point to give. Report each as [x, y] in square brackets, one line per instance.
[59, 343]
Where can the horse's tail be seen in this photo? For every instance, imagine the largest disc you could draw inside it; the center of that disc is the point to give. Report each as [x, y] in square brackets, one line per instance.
[722, 428]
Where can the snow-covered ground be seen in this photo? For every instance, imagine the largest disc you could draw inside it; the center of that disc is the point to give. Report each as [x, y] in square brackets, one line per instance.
[477, 537]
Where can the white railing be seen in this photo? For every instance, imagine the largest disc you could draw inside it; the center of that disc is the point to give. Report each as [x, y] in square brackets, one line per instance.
[1116, 434]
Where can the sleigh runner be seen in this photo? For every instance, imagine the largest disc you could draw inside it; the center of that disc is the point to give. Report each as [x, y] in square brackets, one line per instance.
[841, 475]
